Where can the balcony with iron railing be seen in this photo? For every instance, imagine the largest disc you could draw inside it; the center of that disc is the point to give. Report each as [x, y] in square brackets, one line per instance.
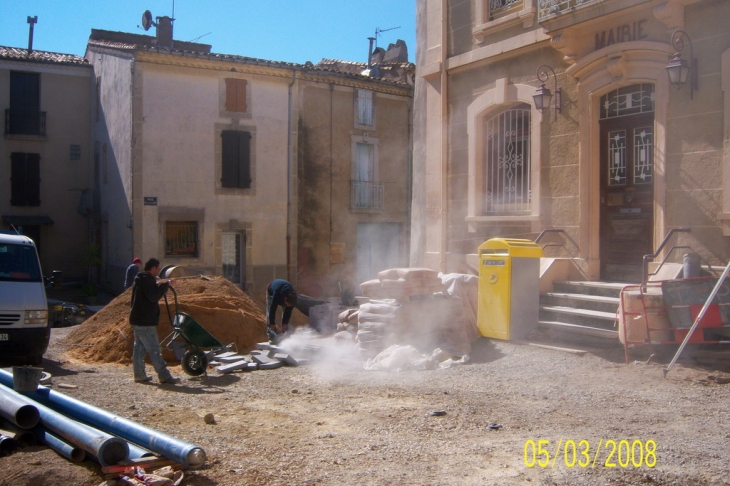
[25, 123]
[548, 9]
[366, 195]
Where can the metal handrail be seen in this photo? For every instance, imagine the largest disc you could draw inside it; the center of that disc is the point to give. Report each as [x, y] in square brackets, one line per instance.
[664, 260]
[549, 230]
[645, 258]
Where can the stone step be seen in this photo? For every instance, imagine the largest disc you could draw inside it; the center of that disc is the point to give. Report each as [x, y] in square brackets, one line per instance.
[571, 315]
[564, 327]
[583, 301]
[606, 289]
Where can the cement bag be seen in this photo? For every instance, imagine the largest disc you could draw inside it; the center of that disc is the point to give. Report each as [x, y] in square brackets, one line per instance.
[397, 358]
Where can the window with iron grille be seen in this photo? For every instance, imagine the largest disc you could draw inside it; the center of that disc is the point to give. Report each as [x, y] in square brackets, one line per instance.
[181, 238]
[507, 165]
[498, 8]
[236, 159]
[365, 191]
[25, 179]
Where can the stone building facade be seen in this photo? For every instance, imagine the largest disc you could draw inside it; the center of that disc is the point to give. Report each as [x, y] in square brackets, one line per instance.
[242, 167]
[45, 155]
[616, 163]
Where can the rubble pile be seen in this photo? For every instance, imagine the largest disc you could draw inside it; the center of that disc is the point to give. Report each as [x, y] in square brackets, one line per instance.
[220, 307]
[409, 306]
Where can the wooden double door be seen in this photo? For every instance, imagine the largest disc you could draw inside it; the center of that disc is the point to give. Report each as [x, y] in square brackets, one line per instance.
[627, 195]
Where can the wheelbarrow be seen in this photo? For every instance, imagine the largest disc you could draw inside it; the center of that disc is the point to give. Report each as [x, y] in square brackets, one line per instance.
[200, 345]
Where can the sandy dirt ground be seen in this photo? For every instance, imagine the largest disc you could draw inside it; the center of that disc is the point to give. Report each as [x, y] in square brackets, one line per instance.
[332, 422]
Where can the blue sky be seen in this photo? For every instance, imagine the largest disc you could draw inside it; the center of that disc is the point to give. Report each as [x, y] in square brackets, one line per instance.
[277, 30]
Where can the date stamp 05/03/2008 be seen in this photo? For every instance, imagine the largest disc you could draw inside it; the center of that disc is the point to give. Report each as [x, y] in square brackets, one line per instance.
[544, 453]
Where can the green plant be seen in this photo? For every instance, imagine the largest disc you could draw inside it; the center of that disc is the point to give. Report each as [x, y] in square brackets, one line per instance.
[89, 290]
[92, 259]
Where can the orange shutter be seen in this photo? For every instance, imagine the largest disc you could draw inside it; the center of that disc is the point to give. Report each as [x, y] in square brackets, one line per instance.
[241, 95]
[236, 95]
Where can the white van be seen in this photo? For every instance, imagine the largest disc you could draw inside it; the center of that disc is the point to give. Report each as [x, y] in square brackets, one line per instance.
[24, 327]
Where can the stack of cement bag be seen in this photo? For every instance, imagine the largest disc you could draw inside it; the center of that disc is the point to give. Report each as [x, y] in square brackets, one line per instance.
[409, 306]
[403, 284]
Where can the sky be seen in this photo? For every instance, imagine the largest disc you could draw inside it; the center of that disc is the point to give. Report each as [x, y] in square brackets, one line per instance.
[277, 30]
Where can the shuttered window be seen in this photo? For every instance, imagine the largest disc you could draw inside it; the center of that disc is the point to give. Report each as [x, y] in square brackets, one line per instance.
[364, 107]
[236, 95]
[25, 179]
[236, 163]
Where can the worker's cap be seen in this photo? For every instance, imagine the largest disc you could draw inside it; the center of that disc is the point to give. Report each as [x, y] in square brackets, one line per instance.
[137, 260]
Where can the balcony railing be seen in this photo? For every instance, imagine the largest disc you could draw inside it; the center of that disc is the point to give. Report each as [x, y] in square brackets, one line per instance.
[25, 123]
[548, 9]
[366, 195]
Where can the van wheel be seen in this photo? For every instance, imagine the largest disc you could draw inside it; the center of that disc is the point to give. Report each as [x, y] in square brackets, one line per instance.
[194, 362]
[35, 360]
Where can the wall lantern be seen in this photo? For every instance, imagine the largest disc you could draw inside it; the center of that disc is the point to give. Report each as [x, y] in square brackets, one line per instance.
[678, 69]
[543, 95]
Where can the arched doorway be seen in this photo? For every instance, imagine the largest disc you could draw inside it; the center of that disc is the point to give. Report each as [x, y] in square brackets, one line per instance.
[626, 181]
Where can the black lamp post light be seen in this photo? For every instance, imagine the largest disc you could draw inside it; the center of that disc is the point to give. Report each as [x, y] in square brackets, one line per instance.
[543, 95]
[678, 69]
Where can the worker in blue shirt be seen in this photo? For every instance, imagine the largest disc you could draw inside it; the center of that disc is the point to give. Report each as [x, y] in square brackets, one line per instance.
[279, 293]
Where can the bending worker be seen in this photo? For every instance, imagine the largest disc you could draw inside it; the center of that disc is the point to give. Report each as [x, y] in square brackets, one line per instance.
[279, 293]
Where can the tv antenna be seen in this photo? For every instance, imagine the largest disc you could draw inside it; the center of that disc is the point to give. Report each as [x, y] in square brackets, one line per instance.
[378, 30]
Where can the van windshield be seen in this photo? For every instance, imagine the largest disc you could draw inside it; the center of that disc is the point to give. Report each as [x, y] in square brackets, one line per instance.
[19, 263]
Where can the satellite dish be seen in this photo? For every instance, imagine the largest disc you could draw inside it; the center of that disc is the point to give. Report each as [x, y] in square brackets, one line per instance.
[147, 20]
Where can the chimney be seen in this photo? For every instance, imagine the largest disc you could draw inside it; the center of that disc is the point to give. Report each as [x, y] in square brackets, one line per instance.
[370, 50]
[164, 32]
[31, 21]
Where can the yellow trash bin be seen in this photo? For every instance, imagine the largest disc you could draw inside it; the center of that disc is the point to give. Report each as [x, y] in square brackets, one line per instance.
[509, 288]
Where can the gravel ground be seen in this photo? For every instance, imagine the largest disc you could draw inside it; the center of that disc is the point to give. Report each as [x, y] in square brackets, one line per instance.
[333, 423]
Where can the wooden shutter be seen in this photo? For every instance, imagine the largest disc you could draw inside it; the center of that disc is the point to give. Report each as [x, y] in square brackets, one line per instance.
[244, 159]
[25, 179]
[229, 174]
[236, 95]
[17, 179]
[33, 179]
[236, 159]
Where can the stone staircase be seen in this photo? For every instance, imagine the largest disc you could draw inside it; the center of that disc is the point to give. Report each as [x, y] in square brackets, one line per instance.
[583, 312]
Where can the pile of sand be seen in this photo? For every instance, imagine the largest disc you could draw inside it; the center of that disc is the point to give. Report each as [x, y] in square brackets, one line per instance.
[220, 307]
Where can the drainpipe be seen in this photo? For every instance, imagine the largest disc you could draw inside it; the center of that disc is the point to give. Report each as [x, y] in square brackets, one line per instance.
[444, 137]
[288, 179]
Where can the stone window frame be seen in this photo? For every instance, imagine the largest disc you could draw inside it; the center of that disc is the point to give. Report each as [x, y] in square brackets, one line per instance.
[484, 26]
[501, 97]
[172, 214]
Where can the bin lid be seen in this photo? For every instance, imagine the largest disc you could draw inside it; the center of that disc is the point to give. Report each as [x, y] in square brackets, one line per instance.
[511, 246]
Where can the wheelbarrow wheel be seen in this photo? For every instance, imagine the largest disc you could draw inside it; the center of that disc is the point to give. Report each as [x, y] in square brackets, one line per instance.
[194, 362]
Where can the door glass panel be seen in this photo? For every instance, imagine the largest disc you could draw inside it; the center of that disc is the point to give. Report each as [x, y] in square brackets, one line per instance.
[617, 158]
[643, 150]
[231, 256]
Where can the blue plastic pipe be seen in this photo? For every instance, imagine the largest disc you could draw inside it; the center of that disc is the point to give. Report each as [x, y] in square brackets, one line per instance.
[174, 449]
[106, 448]
[63, 448]
[7, 445]
[19, 412]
